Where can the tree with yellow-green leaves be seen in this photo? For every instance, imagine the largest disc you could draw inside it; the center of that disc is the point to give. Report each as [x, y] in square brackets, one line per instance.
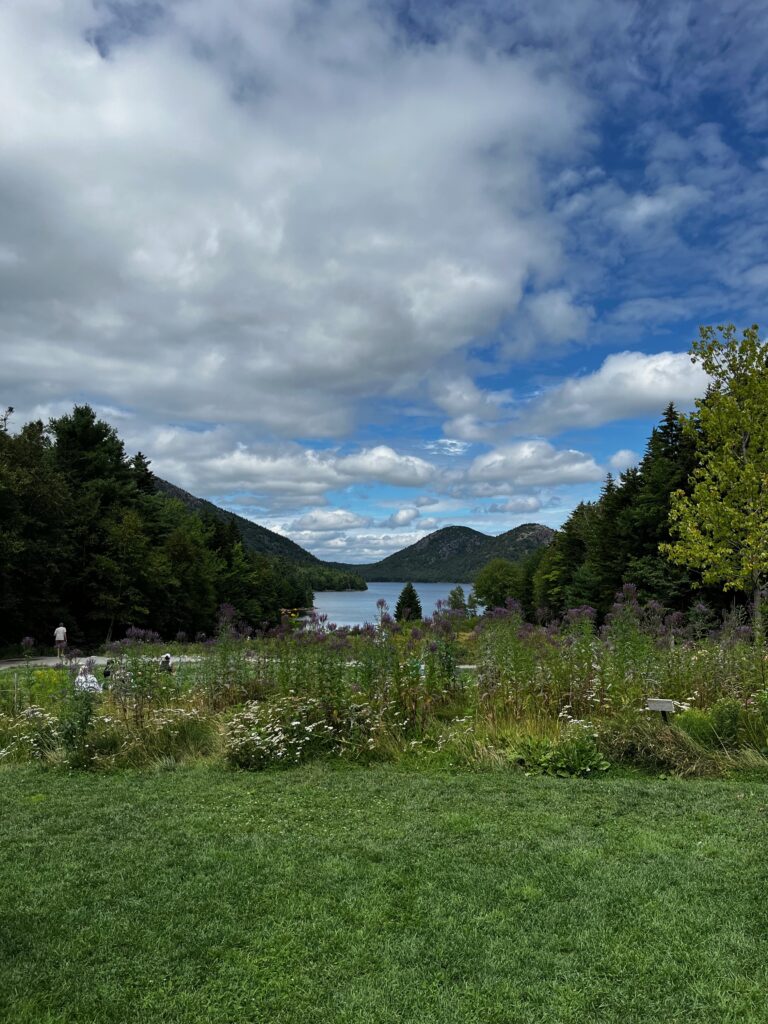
[721, 527]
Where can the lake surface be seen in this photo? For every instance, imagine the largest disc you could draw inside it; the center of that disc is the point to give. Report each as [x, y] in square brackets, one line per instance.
[356, 607]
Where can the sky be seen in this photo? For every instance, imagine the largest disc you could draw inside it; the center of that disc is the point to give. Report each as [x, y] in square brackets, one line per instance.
[361, 269]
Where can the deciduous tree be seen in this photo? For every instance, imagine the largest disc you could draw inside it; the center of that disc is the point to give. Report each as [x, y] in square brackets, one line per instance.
[721, 527]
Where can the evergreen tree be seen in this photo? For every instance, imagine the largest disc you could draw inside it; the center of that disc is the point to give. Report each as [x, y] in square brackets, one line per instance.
[666, 467]
[85, 539]
[720, 528]
[408, 605]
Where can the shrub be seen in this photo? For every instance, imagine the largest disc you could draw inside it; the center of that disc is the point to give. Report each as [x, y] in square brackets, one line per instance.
[698, 725]
[75, 725]
[574, 753]
[727, 717]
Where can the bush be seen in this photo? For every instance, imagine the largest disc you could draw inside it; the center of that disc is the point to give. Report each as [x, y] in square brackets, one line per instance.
[728, 724]
[75, 726]
[573, 754]
[698, 725]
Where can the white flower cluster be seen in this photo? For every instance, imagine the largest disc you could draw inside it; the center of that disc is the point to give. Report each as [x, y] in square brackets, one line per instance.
[292, 729]
[33, 734]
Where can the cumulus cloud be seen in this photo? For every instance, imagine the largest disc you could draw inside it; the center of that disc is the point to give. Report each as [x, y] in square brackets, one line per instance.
[447, 446]
[365, 547]
[627, 385]
[623, 459]
[403, 517]
[320, 520]
[212, 462]
[214, 207]
[521, 503]
[385, 465]
[669, 202]
[531, 464]
[556, 316]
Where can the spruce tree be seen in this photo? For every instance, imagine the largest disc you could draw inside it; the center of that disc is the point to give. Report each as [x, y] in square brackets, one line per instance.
[408, 605]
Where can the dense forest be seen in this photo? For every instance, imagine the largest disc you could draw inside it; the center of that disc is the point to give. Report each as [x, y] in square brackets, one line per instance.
[687, 527]
[613, 541]
[86, 539]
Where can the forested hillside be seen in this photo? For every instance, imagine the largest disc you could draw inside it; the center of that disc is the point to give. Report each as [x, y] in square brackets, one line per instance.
[319, 575]
[455, 553]
[86, 539]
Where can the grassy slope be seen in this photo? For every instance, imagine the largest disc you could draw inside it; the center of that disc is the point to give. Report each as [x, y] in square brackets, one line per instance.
[369, 895]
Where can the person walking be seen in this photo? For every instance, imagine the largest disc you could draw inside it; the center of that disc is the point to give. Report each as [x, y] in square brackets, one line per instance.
[60, 640]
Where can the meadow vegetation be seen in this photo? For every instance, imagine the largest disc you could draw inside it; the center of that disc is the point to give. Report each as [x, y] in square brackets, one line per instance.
[564, 698]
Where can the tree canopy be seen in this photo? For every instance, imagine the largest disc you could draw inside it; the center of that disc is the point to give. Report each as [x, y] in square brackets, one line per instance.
[497, 581]
[619, 538]
[720, 526]
[85, 539]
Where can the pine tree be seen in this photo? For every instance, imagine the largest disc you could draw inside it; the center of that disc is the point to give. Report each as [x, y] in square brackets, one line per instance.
[408, 605]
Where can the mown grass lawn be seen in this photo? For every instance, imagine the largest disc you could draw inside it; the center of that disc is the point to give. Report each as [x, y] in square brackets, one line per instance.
[380, 895]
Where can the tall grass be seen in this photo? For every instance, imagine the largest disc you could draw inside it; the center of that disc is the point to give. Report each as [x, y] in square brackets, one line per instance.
[408, 697]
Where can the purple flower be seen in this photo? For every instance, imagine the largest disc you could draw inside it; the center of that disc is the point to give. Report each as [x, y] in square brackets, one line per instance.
[142, 636]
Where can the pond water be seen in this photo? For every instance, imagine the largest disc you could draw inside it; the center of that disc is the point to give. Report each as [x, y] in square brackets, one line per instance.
[356, 607]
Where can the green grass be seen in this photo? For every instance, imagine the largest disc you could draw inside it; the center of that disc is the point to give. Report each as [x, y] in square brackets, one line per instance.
[380, 895]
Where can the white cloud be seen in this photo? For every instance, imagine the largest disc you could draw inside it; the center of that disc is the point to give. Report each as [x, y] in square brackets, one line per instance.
[557, 317]
[212, 462]
[241, 203]
[522, 503]
[386, 466]
[671, 201]
[623, 459]
[447, 446]
[532, 464]
[403, 517]
[627, 385]
[320, 520]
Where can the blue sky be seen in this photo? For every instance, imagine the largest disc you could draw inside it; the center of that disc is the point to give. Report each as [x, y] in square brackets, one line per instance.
[359, 270]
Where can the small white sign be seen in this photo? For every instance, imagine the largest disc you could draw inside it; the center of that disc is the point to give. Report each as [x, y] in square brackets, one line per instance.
[661, 704]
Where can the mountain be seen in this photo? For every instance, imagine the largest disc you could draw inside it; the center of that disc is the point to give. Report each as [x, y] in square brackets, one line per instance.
[451, 555]
[454, 554]
[256, 538]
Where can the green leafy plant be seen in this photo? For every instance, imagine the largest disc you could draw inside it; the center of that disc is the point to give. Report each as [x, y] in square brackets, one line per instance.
[573, 754]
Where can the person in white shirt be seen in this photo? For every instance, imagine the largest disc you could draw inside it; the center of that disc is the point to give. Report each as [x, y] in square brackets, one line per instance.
[86, 681]
[60, 639]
